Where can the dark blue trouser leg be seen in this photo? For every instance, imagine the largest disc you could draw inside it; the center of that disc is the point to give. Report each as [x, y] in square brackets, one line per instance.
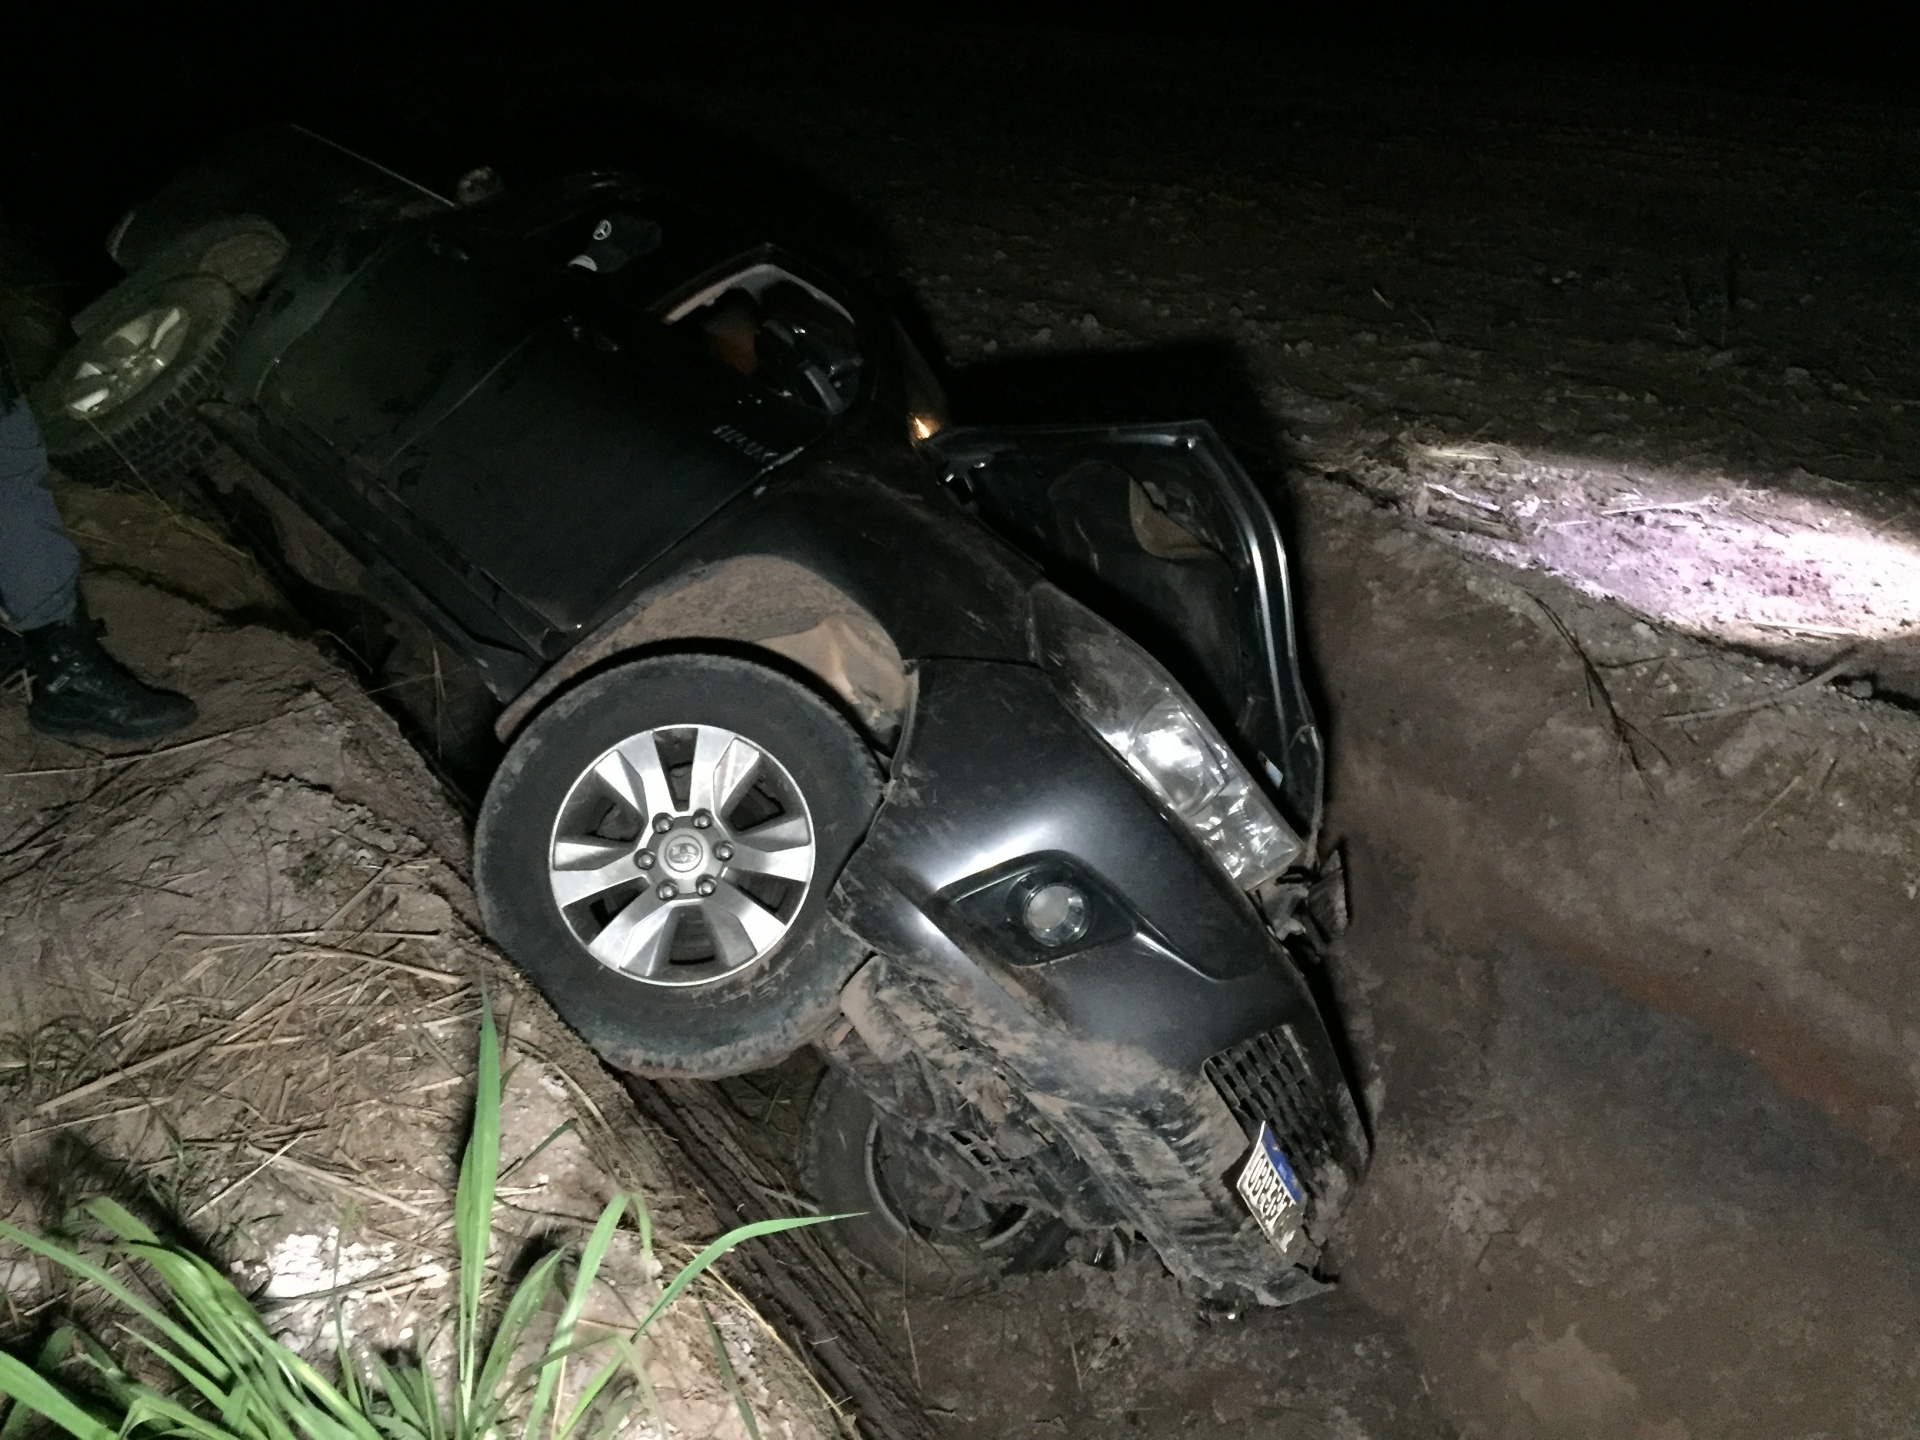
[38, 564]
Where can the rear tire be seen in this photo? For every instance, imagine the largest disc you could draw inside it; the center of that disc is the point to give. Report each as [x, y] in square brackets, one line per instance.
[689, 1002]
[857, 1163]
[120, 407]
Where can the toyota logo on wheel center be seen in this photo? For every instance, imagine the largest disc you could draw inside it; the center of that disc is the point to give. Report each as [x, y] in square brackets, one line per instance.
[683, 853]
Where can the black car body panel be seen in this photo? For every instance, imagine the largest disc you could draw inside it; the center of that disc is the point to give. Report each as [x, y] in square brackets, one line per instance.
[519, 455]
[875, 530]
[995, 780]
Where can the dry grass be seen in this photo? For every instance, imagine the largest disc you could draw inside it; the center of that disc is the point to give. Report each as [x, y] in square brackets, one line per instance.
[245, 1007]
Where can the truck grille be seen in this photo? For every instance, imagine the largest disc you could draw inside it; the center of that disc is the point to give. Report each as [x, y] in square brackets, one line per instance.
[1268, 1078]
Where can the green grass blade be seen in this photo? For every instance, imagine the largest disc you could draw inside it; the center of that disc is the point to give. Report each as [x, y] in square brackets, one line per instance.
[315, 1420]
[118, 1383]
[552, 1135]
[615, 1417]
[525, 1303]
[247, 1411]
[192, 1374]
[590, 1257]
[406, 1422]
[275, 1391]
[338, 1412]
[40, 1395]
[387, 1378]
[692, 1271]
[149, 1406]
[258, 1362]
[207, 1300]
[643, 1382]
[643, 1217]
[121, 1221]
[590, 1392]
[437, 1427]
[729, 1378]
[79, 1265]
[473, 1210]
[51, 1354]
[696, 1266]
[394, 1428]
[202, 1295]
[413, 1388]
[355, 1393]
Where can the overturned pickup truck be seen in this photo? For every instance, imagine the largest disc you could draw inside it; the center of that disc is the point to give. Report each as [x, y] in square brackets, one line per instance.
[977, 759]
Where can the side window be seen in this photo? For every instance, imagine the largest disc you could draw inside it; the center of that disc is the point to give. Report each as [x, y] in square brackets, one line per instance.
[778, 331]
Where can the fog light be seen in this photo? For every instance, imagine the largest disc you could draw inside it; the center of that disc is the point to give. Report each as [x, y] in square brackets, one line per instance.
[1056, 914]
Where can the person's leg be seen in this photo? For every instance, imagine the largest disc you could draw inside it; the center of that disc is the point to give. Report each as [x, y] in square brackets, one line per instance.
[78, 688]
[38, 564]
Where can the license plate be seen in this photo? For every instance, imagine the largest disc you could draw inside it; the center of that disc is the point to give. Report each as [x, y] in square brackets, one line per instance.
[1272, 1191]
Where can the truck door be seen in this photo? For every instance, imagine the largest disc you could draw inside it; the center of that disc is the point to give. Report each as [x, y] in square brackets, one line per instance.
[1161, 530]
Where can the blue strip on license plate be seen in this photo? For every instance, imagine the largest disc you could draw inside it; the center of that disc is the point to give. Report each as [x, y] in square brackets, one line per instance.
[1272, 1191]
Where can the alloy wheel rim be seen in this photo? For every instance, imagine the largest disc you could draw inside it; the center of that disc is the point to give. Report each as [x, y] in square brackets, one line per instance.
[125, 362]
[904, 1197]
[682, 855]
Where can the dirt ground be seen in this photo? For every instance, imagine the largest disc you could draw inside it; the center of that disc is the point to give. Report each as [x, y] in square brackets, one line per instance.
[241, 992]
[1586, 396]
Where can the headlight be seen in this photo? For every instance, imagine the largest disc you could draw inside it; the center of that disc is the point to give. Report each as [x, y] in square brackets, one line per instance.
[1139, 709]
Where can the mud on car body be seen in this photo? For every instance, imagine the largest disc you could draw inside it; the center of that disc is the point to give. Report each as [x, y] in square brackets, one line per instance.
[977, 759]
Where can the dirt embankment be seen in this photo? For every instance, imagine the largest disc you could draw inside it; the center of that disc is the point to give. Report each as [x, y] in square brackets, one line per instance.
[241, 989]
[1637, 994]
[1719, 836]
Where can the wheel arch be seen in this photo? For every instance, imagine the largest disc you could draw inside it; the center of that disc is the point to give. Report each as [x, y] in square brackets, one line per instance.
[244, 251]
[763, 605]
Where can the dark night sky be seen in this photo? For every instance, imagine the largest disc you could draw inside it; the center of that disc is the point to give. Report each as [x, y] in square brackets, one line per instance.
[108, 115]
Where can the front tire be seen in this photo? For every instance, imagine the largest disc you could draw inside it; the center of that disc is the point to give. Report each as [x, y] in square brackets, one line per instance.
[656, 850]
[906, 1222]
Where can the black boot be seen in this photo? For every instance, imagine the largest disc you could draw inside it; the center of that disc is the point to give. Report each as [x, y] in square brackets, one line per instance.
[79, 689]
